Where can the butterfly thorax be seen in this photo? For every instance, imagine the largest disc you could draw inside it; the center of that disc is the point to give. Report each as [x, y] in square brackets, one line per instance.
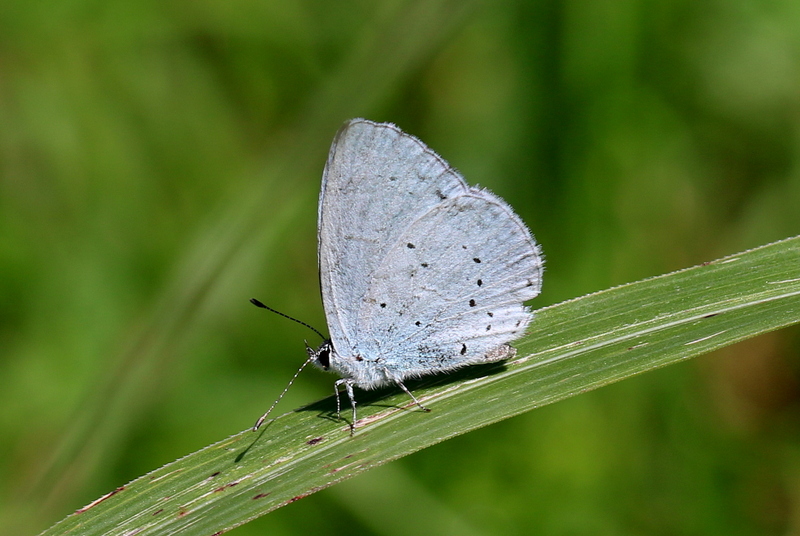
[365, 373]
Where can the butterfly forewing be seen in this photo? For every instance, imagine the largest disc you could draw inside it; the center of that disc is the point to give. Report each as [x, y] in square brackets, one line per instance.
[377, 181]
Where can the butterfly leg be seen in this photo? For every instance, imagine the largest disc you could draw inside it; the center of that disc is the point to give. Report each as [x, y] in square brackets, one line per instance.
[414, 398]
[348, 385]
[338, 402]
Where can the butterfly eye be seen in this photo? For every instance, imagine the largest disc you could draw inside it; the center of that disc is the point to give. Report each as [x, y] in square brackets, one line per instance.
[323, 356]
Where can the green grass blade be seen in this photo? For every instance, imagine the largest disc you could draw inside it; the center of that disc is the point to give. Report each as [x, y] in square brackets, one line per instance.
[572, 347]
[234, 239]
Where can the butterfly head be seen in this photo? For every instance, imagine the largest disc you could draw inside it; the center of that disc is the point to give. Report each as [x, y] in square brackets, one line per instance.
[321, 356]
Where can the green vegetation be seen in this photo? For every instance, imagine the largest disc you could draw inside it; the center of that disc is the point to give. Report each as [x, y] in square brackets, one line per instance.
[573, 347]
[159, 166]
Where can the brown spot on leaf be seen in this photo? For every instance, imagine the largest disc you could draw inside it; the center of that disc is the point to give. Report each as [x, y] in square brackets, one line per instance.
[98, 501]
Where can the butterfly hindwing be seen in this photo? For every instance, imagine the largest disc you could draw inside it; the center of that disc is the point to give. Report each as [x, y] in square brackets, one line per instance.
[451, 289]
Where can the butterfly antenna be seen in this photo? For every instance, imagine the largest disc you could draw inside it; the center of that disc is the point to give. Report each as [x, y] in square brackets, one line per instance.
[263, 418]
[311, 357]
[312, 328]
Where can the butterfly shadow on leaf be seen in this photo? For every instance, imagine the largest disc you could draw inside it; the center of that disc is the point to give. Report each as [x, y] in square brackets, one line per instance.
[326, 408]
[375, 398]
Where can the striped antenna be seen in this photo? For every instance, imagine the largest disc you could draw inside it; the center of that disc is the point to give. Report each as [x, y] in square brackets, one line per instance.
[311, 357]
[312, 328]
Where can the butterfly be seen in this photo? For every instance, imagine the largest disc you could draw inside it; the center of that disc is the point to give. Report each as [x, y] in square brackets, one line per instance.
[420, 273]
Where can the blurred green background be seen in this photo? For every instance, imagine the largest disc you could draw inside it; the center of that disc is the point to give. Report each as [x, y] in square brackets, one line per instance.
[160, 165]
